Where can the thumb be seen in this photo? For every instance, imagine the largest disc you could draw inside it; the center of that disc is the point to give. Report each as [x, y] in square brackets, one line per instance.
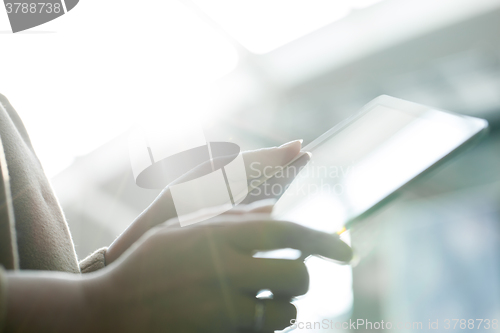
[268, 160]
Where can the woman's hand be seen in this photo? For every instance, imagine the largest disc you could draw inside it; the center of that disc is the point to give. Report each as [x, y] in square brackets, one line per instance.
[257, 163]
[201, 278]
[204, 278]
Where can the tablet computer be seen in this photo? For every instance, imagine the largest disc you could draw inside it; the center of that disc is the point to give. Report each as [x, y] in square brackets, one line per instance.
[362, 163]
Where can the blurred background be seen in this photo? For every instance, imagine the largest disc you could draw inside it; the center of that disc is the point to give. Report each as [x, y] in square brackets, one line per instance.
[261, 73]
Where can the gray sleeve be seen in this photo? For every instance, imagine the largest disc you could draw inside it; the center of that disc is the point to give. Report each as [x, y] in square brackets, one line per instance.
[3, 298]
[94, 262]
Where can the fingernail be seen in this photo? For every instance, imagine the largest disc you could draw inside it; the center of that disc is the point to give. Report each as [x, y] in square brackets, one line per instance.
[290, 143]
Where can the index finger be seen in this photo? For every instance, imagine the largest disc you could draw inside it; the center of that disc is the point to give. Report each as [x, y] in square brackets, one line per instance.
[264, 235]
[266, 161]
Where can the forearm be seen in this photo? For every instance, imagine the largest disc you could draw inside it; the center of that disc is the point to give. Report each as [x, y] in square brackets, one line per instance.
[160, 210]
[47, 302]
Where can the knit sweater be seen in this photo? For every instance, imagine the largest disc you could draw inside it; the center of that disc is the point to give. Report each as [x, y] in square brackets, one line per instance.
[39, 237]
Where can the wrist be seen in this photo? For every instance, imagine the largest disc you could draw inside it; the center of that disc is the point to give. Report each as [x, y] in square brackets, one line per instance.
[161, 210]
[97, 301]
[47, 302]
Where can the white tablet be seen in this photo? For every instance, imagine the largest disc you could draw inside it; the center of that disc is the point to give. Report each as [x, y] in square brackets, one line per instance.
[359, 164]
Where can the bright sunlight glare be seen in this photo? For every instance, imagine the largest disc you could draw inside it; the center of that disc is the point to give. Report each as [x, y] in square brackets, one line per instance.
[107, 76]
[262, 25]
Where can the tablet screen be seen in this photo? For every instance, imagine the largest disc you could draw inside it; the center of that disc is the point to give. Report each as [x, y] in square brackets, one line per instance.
[355, 167]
